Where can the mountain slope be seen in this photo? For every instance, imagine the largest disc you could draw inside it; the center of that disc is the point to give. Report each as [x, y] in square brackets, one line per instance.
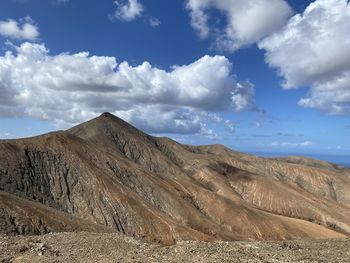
[110, 174]
[24, 217]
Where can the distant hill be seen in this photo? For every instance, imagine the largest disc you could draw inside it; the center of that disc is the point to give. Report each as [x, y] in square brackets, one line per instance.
[107, 176]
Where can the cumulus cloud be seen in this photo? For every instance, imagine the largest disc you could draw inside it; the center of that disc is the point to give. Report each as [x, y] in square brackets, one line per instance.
[127, 10]
[70, 88]
[248, 21]
[24, 29]
[313, 49]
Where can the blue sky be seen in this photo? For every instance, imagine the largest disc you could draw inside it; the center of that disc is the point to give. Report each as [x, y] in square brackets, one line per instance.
[225, 80]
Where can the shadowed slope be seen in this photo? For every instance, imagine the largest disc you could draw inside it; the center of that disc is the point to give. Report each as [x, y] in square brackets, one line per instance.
[21, 216]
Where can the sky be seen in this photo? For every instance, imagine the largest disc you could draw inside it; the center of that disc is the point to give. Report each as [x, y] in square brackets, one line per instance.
[254, 75]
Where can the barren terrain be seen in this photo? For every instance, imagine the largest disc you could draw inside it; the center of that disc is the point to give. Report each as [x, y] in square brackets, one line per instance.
[91, 247]
[107, 178]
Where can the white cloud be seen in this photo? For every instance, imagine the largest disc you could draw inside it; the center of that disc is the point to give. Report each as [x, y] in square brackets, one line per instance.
[292, 144]
[199, 19]
[25, 29]
[154, 21]
[306, 143]
[70, 88]
[313, 49]
[248, 21]
[230, 126]
[128, 10]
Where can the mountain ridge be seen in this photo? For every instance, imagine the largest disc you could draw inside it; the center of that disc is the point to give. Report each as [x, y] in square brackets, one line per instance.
[113, 175]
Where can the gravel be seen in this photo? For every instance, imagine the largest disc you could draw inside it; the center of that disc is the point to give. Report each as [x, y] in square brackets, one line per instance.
[92, 247]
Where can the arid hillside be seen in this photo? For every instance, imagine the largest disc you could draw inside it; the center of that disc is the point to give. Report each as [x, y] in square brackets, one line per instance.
[106, 176]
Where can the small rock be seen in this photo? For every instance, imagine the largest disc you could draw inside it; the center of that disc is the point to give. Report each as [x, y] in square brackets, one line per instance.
[41, 246]
[23, 248]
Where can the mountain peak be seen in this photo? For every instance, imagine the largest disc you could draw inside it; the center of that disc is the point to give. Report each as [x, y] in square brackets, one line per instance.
[104, 121]
[107, 115]
[107, 129]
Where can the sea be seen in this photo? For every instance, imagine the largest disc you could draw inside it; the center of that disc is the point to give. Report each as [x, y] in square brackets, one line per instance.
[343, 160]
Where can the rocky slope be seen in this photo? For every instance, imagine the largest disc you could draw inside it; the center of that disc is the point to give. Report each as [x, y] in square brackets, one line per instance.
[114, 177]
[19, 216]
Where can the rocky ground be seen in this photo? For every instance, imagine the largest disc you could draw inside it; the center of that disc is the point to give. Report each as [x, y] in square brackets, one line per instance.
[92, 247]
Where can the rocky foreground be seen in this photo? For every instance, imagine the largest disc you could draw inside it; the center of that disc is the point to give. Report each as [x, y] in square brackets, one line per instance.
[92, 247]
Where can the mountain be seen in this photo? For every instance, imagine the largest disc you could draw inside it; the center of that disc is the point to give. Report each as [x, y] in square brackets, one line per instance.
[107, 176]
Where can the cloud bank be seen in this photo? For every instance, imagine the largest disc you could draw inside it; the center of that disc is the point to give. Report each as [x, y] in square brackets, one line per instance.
[313, 49]
[70, 88]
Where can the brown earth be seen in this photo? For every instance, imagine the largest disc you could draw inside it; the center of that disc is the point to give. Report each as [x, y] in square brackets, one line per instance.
[105, 248]
[105, 175]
